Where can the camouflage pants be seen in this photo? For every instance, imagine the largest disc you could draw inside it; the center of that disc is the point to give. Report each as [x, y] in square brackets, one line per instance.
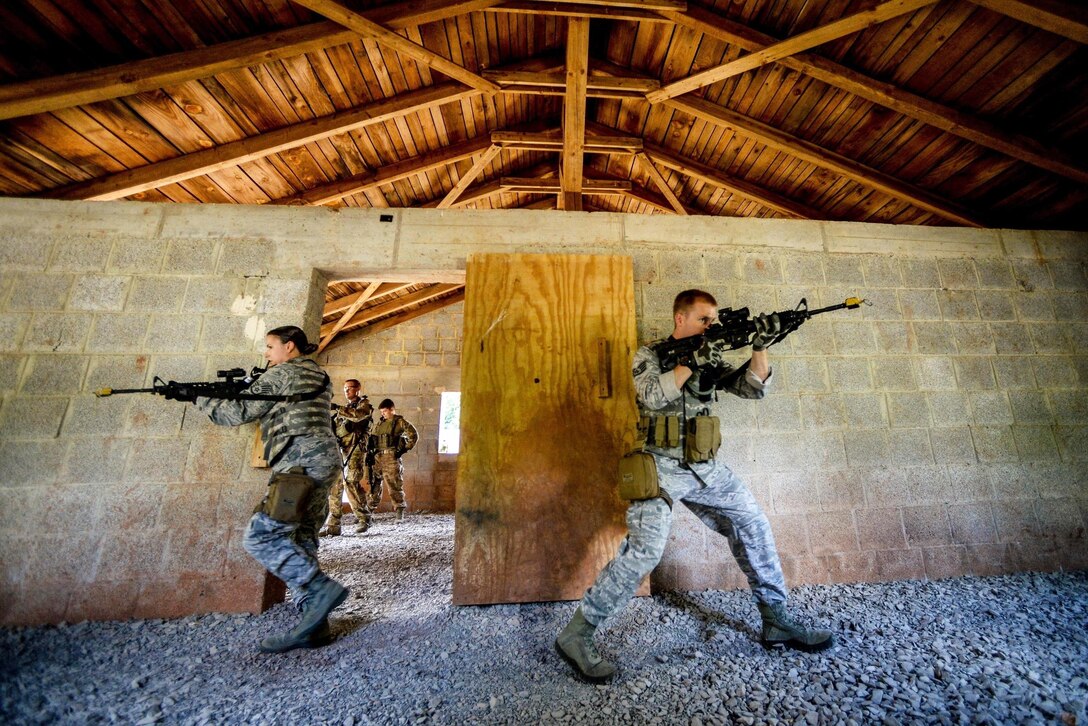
[289, 549]
[391, 471]
[355, 473]
[723, 503]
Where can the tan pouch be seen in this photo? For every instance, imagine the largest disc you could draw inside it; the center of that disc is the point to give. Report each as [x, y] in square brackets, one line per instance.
[288, 496]
[664, 431]
[638, 477]
[703, 439]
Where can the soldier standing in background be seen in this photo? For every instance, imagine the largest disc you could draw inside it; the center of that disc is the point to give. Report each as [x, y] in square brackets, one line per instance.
[393, 436]
[351, 422]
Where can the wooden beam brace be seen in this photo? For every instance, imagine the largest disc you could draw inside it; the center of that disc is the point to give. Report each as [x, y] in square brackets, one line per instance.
[394, 306]
[334, 10]
[718, 178]
[469, 176]
[659, 181]
[347, 316]
[559, 81]
[574, 114]
[341, 304]
[885, 94]
[553, 141]
[404, 317]
[791, 46]
[184, 167]
[825, 158]
[582, 10]
[1067, 19]
[555, 186]
[75, 89]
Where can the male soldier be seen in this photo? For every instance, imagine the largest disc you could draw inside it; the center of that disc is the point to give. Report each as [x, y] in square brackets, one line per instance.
[676, 403]
[393, 438]
[352, 425]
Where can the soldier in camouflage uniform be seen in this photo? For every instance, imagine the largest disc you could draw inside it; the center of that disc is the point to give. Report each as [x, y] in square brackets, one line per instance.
[296, 434]
[394, 437]
[709, 489]
[351, 422]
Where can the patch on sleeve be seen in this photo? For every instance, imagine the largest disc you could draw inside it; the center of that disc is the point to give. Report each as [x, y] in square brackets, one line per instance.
[640, 368]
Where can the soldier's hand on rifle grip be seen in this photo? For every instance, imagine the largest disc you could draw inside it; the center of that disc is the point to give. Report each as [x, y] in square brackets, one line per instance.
[768, 327]
[708, 355]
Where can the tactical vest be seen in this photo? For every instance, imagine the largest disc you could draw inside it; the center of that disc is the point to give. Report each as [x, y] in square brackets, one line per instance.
[300, 418]
[388, 432]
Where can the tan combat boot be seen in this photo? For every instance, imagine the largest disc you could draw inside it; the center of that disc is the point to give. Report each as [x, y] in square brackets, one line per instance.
[575, 644]
[782, 631]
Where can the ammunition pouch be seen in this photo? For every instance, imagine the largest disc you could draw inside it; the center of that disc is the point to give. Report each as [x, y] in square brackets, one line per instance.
[288, 496]
[638, 477]
[662, 432]
[703, 438]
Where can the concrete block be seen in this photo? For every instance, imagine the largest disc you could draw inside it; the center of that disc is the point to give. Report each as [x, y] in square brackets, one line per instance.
[935, 373]
[157, 459]
[867, 447]
[645, 267]
[803, 270]
[911, 240]
[865, 410]
[191, 257]
[1060, 243]
[32, 417]
[1033, 306]
[221, 334]
[1070, 306]
[894, 374]
[130, 554]
[958, 274]
[974, 372]
[180, 368]
[30, 464]
[1014, 372]
[1068, 275]
[909, 447]
[1035, 443]
[934, 338]
[1032, 275]
[246, 257]
[794, 493]
[80, 255]
[1051, 338]
[24, 252]
[844, 270]
[994, 443]
[840, 490]
[996, 304]
[283, 295]
[973, 338]
[972, 523]
[135, 506]
[802, 375]
[763, 269]
[1078, 336]
[722, 269]
[795, 451]
[11, 367]
[949, 408]
[831, 532]
[995, 273]
[988, 560]
[99, 292]
[156, 294]
[968, 483]
[892, 337]
[13, 327]
[919, 273]
[905, 564]
[907, 410]
[958, 304]
[122, 333]
[1012, 338]
[137, 255]
[153, 416]
[854, 338]
[849, 375]
[952, 445]
[919, 304]
[1072, 442]
[54, 374]
[1030, 407]
[945, 562]
[39, 291]
[927, 526]
[1069, 406]
[790, 534]
[1060, 519]
[95, 460]
[881, 271]
[173, 334]
[823, 412]
[91, 416]
[815, 337]
[1019, 480]
[676, 268]
[990, 407]
[1054, 480]
[757, 298]
[714, 232]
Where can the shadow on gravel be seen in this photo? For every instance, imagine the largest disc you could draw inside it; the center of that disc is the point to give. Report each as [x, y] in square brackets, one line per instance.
[713, 620]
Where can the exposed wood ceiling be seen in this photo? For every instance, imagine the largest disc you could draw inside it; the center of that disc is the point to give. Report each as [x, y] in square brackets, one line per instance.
[370, 307]
[904, 111]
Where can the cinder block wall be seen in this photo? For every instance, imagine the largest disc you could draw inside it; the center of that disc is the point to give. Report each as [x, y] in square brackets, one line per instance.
[942, 431]
[412, 363]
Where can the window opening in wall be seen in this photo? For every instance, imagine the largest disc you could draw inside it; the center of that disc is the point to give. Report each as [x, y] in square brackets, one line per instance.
[449, 423]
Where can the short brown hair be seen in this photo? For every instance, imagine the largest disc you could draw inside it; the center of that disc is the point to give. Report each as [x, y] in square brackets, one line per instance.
[353, 380]
[686, 299]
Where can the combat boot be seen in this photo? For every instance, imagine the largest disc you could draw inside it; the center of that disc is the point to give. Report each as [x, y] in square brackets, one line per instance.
[782, 631]
[289, 641]
[313, 630]
[575, 645]
[362, 527]
[329, 530]
[400, 515]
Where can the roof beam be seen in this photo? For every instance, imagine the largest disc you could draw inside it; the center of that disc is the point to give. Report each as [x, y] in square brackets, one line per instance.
[417, 312]
[553, 141]
[348, 315]
[718, 178]
[334, 10]
[101, 84]
[788, 47]
[1061, 18]
[825, 158]
[574, 114]
[555, 84]
[469, 176]
[187, 166]
[638, 12]
[341, 304]
[393, 306]
[659, 181]
[555, 186]
[885, 94]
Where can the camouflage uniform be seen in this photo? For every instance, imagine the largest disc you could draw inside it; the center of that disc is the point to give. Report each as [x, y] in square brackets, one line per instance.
[352, 425]
[295, 434]
[708, 489]
[394, 437]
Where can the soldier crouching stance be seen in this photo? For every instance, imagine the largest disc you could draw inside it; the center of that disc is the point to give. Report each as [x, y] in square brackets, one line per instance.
[671, 401]
[297, 435]
[351, 423]
[394, 437]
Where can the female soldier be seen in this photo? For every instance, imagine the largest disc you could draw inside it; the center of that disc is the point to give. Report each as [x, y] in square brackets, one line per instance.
[297, 435]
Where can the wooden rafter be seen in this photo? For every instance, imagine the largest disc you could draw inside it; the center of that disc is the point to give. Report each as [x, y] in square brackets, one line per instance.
[791, 46]
[553, 141]
[74, 89]
[639, 12]
[468, 177]
[719, 116]
[888, 95]
[341, 304]
[555, 186]
[659, 181]
[574, 114]
[365, 27]
[195, 164]
[407, 315]
[365, 295]
[555, 84]
[1068, 19]
[393, 306]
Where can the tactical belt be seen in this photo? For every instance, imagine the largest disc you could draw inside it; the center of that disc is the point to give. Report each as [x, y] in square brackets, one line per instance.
[701, 435]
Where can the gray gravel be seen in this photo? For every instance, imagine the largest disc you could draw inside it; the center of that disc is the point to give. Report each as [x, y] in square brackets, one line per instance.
[970, 650]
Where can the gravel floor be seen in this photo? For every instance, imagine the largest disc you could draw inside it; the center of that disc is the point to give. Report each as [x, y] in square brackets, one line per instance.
[972, 650]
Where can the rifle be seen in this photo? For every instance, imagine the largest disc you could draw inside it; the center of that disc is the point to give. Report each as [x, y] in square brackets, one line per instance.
[235, 382]
[735, 329]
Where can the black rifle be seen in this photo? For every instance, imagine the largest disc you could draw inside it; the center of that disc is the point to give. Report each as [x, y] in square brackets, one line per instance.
[235, 382]
[735, 329]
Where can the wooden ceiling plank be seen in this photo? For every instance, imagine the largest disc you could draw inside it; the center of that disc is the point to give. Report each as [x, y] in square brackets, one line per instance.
[195, 164]
[347, 316]
[600, 11]
[825, 158]
[341, 304]
[359, 23]
[468, 177]
[574, 114]
[1061, 18]
[890, 96]
[791, 46]
[395, 306]
[406, 316]
[662, 185]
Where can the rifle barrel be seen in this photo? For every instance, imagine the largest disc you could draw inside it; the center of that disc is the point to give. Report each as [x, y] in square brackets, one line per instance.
[103, 392]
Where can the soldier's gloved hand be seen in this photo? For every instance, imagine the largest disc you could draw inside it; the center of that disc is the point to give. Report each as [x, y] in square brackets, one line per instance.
[768, 328]
[707, 356]
[179, 392]
[335, 407]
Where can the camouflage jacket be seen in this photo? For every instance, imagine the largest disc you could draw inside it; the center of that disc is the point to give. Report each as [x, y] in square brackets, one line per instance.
[395, 433]
[352, 423]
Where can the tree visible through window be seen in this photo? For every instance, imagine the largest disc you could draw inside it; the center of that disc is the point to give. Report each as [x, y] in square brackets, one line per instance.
[449, 423]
